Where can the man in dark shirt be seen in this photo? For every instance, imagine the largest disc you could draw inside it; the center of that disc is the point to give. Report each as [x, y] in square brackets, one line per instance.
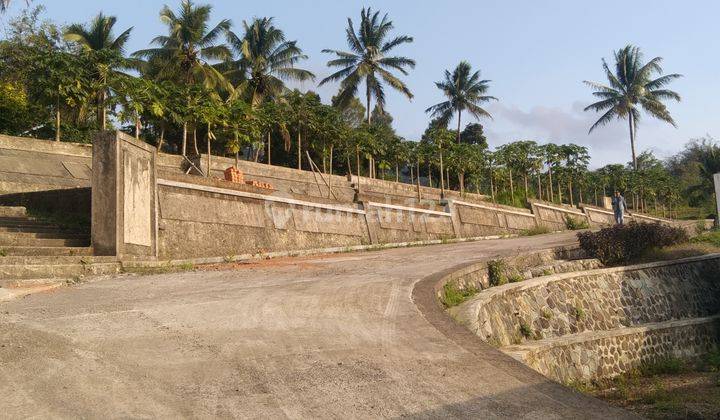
[619, 207]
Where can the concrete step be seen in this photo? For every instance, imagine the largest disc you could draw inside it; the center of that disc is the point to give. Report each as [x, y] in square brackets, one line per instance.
[41, 271]
[29, 251]
[11, 211]
[41, 229]
[20, 240]
[55, 259]
[45, 235]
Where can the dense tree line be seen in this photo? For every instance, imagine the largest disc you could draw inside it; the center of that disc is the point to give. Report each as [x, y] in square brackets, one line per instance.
[221, 89]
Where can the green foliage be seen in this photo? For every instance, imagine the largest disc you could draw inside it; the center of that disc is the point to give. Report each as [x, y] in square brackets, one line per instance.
[525, 329]
[578, 313]
[712, 238]
[453, 295]
[515, 277]
[497, 272]
[669, 365]
[573, 223]
[623, 243]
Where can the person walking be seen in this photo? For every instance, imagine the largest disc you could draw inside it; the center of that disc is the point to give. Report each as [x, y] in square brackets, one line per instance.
[619, 207]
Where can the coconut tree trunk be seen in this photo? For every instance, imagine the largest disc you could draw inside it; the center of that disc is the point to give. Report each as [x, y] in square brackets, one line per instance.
[357, 157]
[461, 179]
[631, 122]
[184, 139]
[137, 126]
[367, 98]
[412, 175]
[209, 153]
[331, 159]
[525, 180]
[57, 120]
[418, 181]
[397, 172]
[442, 178]
[492, 186]
[570, 191]
[559, 191]
[162, 137]
[299, 149]
[458, 127]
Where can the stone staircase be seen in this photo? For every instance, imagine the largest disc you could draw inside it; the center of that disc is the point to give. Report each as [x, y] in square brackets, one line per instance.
[39, 254]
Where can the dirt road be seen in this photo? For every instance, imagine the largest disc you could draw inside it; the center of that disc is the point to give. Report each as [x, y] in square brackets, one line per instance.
[323, 337]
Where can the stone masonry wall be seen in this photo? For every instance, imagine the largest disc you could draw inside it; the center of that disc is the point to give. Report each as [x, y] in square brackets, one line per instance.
[554, 306]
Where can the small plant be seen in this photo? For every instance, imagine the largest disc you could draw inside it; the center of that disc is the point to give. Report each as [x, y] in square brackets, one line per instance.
[572, 223]
[187, 266]
[496, 272]
[3, 253]
[546, 313]
[516, 277]
[578, 313]
[547, 272]
[537, 230]
[667, 365]
[454, 295]
[525, 329]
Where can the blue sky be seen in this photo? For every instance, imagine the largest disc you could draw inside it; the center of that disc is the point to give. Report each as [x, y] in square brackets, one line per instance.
[535, 52]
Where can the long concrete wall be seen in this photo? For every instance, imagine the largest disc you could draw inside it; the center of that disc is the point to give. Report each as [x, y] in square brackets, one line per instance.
[617, 318]
[209, 217]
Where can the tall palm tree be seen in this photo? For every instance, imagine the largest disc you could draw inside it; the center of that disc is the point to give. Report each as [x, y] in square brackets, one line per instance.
[265, 60]
[190, 46]
[368, 60]
[631, 88]
[186, 53]
[98, 37]
[464, 91]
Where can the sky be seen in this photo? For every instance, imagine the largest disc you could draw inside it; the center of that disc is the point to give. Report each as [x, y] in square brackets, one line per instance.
[536, 54]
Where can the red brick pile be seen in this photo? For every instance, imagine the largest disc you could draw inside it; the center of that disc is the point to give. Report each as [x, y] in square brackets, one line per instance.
[259, 184]
[234, 174]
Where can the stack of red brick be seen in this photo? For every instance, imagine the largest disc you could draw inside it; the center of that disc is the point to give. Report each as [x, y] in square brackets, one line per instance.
[233, 174]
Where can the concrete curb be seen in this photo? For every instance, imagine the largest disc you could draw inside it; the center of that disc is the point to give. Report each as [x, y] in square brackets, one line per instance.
[131, 265]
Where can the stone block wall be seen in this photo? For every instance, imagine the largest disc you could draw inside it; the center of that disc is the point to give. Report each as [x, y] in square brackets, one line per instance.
[554, 306]
[608, 354]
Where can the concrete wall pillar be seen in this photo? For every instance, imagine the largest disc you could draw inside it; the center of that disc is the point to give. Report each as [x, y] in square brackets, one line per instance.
[124, 217]
[451, 208]
[371, 225]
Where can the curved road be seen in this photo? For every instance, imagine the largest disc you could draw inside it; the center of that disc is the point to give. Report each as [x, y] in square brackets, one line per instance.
[330, 337]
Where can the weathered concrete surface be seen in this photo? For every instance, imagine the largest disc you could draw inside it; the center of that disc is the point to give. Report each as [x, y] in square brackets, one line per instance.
[329, 337]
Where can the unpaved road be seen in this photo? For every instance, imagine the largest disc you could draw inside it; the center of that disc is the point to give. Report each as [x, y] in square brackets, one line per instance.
[323, 337]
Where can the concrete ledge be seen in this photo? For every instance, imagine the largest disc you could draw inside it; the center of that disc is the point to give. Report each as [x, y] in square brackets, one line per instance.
[138, 264]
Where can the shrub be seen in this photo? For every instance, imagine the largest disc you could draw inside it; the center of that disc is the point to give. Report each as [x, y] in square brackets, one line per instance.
[496, 272]
[712, 238]
[572, 223]
[454, 296]
[525, 329]
[623, 243]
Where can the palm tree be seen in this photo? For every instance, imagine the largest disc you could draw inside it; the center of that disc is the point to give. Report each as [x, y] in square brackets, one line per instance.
[99, 38]
[185, 54]
[631, 88]
[368, 59]
[265, 60]
[464, 91]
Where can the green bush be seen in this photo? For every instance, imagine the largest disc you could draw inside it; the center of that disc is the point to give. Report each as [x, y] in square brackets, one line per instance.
[572, 223]
[623, 243]
[712, 238]
[496, 272]
[454, 296]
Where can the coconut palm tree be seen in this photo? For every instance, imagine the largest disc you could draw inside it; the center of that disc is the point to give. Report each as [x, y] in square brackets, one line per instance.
[265, 60]
[189, 47]
[186, 53]
[368, 60]
[464, 91]
[107, 54]
[631, 87]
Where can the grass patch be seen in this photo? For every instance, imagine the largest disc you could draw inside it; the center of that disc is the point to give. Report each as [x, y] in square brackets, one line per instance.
[537, 230]
[3, 253]
[515, 277]
[496, 272]
[453, 295]
[525, 329]
[666, 366]
[578, 313]
[546, 313]
[711, 238]
[572, 223]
